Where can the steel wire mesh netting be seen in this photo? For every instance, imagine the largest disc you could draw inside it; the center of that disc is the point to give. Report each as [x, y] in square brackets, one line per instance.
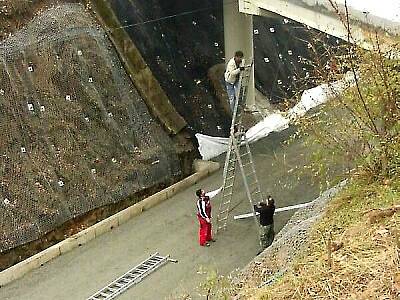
[288, 243]
[75, 135]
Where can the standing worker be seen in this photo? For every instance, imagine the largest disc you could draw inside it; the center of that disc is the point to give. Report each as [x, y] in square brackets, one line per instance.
[266, 211]
[235, 65]
[204, 215]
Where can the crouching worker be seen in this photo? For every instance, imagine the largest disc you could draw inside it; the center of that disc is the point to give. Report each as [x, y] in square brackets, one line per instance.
[204, 216]
[266, 211]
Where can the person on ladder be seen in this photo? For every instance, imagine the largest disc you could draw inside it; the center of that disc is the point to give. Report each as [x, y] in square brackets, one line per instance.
[266, 211]
[204, 216]
[235, 65]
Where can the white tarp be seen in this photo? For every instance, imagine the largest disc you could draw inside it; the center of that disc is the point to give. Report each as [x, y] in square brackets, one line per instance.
[273, 122]
[320, 94]
[210, 146]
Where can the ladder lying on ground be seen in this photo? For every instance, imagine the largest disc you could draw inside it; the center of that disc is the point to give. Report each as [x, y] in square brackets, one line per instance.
[238, 151]
[132, 277]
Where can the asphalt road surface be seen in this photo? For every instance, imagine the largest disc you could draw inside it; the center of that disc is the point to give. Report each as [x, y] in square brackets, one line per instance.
[171, 228]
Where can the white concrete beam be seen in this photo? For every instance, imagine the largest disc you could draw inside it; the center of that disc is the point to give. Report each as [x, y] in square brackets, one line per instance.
[319, 14]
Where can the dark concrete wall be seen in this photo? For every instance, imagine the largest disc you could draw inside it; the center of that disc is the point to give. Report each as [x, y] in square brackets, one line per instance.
[147, 85]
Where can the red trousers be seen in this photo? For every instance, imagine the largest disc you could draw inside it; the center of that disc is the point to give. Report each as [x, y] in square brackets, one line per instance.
[204, 231]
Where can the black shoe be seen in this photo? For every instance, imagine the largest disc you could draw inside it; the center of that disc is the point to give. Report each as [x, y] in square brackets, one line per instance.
[206, 245]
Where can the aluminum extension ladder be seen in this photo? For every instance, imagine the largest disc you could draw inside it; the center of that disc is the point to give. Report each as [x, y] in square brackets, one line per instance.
[238, 152]
[132, 277]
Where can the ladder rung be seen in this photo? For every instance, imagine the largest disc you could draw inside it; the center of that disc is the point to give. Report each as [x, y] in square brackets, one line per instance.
[247, 160]
[136, 273]
[148, 264]
[142, 270]
[143, 267]
[245, 165]
[256, 192]
[105, 295]
[153, 259]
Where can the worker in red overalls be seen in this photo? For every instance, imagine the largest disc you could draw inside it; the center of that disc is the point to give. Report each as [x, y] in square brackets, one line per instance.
[204, 216]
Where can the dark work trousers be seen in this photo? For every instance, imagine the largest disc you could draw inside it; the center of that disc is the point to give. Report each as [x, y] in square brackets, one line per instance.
[267, 235]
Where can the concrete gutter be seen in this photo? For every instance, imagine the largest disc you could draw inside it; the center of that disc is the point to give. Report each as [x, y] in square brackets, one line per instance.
[202, 170]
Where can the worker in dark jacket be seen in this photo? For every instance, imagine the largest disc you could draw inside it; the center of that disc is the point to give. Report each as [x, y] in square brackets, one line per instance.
[266, 211]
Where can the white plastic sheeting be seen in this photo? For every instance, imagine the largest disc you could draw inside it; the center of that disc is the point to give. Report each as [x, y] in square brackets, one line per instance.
[313, 97]
[273, 122]
[210, 146]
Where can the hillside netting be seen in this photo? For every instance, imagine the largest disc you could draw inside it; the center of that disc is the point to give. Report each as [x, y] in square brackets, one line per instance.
[75, 134]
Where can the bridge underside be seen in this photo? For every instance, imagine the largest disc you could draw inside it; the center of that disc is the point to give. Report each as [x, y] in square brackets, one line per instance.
[323, 16]
[317, 14]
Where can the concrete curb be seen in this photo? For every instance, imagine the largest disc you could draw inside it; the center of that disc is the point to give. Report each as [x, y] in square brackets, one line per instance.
[202, 170]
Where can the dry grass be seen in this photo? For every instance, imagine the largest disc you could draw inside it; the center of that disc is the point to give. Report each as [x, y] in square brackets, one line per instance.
[365, 256]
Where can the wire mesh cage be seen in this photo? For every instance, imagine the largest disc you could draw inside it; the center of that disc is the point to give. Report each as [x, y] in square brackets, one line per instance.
[75, 134]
